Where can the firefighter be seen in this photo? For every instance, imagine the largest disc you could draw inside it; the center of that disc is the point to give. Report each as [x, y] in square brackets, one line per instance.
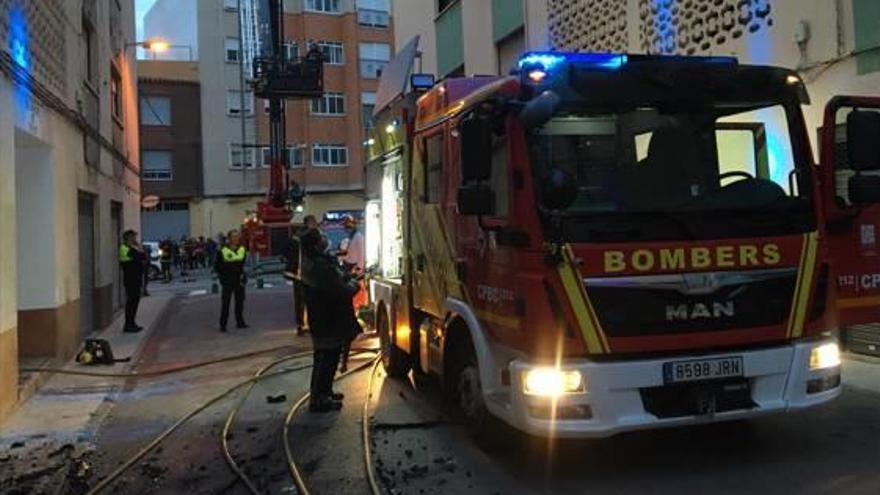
[132, 259]
[230, 271]
[328, 292]
[351, 254]
[292, 271]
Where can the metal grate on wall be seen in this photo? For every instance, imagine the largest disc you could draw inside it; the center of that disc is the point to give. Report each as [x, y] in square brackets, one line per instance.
[683, 27]
[588, 25]
[687, 27]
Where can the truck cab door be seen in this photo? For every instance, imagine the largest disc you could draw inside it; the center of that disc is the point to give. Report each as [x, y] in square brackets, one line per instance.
[850, 182]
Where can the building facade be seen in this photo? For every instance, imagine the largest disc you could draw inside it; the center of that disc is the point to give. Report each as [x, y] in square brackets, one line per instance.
[324, 137]
[69, 174]
[169, 97]
[834, 44]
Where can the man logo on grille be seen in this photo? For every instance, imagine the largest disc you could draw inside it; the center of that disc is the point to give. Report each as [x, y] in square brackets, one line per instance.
[700, 311]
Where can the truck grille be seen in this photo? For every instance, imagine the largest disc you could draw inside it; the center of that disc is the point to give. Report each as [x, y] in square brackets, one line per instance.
[692, 302]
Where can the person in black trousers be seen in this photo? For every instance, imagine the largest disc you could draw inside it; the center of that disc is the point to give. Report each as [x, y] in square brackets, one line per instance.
[332, 321]
[292, 257]
[230, 271]
[132, 260]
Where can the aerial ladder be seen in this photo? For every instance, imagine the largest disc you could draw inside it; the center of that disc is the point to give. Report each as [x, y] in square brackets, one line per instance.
[277, 79]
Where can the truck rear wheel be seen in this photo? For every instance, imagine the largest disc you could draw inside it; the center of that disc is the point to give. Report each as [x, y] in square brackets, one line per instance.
[395, 361]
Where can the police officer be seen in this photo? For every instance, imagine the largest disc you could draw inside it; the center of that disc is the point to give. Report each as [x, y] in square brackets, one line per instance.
[230, 271]
[132, 260]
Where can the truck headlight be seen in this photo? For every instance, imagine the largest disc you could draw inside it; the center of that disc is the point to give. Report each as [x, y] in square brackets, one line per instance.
[825, 356]
[552, 382]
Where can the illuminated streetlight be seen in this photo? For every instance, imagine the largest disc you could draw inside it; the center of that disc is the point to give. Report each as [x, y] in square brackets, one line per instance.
[156, 45]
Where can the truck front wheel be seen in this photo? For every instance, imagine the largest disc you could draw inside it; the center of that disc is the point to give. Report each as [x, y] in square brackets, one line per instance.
[468, 388]
[395, 361]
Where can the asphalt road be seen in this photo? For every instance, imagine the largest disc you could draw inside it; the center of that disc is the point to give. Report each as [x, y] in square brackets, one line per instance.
[419, 447]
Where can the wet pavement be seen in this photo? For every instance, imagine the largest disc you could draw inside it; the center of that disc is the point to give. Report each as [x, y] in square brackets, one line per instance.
[418, 446]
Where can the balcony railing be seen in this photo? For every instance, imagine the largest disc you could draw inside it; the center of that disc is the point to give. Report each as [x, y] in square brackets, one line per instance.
[373, 18]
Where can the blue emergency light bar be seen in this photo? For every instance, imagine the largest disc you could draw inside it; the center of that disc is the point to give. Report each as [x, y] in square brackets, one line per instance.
[548, 61]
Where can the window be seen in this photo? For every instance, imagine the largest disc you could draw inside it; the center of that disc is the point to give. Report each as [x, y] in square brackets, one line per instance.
[373, 13]
[232, 49]
[500, 177]
[329, 104]
[239, 157]
[329, 155]
[156, 165]
[91, 52]
[291, 51]
[368, 104]
[295, 156]
[373, 57]
[333, 53]
[155, 110]
[230, 4]
[322, 6]
[867, 35]
[233, 103]
[433, 168]
[115, 96]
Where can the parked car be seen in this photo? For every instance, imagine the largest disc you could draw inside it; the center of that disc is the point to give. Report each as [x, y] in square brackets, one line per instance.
[155, 269]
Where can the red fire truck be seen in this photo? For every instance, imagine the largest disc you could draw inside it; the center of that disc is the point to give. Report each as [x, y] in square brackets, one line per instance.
[600, 243]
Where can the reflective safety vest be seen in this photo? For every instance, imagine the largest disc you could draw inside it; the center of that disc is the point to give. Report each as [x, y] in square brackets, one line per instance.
[125, 254]
[230, 256]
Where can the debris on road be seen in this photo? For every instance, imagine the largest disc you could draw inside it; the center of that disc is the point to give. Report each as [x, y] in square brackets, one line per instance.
[275, 399]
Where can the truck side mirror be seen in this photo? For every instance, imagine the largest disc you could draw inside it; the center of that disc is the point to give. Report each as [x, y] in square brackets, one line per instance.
[539, 110]
[863, 140]
[476, 199]
[476, 148]
[558, 189]
[863, 152]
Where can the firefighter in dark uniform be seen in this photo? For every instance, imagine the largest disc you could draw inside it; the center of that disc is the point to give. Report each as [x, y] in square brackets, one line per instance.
[292, 256]
[230, 271]
[133, 260]
[332, 322]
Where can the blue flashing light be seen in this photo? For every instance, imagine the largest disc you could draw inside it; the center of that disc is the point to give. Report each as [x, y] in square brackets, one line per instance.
[18, 38]
[549, 60]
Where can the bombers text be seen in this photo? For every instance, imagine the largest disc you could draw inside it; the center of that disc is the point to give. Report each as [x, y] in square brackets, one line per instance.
[692, 258]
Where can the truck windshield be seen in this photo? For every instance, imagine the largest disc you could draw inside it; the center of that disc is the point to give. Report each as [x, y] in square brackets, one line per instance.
[705, 172]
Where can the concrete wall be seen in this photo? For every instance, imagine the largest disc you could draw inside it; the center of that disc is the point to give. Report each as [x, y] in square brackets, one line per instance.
[416, 17]
[217, 76]
[43, 173]
[8, 292]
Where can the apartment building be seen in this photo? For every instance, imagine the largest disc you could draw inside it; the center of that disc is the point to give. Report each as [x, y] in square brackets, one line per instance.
[69, 174]
[169, 97]
[835, 44]
[324, 137]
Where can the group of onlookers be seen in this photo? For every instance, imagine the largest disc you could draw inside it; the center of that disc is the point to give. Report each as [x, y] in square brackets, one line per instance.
[188, 253]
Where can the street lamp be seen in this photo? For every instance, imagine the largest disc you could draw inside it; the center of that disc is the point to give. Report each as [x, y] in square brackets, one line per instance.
[156, 45]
